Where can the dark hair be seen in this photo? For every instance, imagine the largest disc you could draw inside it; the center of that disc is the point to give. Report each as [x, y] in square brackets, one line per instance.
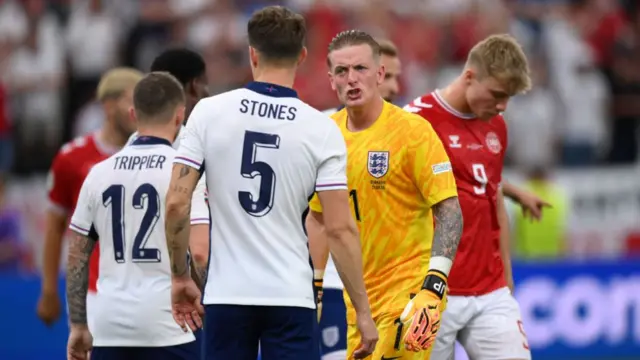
[184, 64]
[277, 33]
[352, 38]
[156, 97]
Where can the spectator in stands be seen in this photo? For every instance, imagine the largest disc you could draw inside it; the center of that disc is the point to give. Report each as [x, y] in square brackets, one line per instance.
[10, 235]
[6, 144]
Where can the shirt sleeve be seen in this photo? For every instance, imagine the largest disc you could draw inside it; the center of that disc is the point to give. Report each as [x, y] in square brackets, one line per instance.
[432, 169]
[332, 172]
[191, 150]
[199, 208]
[82, 219]
[59, 183]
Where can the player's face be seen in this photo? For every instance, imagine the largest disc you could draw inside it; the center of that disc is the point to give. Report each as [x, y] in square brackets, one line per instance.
[121, 113]
[486, 97]
[355, 75]
[196, 90]
[390, 86]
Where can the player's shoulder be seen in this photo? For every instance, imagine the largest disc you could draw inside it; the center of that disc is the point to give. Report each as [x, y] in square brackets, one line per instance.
[78, 145]
[422, 104]
[410, 121]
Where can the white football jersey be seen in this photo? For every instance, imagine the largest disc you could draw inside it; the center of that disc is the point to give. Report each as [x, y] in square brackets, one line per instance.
[199, 211]
[331, 277]
[122, 204]
[265, 152]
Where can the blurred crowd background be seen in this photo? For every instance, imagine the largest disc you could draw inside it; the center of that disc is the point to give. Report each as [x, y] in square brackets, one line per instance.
[573, 138]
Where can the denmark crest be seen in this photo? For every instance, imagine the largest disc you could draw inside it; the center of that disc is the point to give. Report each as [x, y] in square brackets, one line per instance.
[493, 142]
[378, 163]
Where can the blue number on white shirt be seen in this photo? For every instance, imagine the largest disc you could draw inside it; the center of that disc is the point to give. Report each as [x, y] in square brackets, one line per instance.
[114, 196]
[250, 168]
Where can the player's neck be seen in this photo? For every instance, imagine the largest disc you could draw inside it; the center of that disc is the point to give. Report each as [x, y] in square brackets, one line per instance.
[111, 137]
[168, 134]
[454, 96]
[276, 76]
[363, 117]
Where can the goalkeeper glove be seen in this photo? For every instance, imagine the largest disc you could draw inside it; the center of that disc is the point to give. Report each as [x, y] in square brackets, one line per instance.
[318, 280]
[422, 313]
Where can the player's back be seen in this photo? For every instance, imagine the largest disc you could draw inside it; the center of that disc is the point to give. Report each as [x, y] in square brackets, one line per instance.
[263, 148]
[476, 149]
[133, 307]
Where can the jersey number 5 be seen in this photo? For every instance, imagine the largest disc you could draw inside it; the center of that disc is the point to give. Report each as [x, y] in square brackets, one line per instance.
[250, 168]
[480, 175]
[114, 197]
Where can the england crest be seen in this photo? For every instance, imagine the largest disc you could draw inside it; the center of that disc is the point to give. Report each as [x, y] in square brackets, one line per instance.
[378, 163]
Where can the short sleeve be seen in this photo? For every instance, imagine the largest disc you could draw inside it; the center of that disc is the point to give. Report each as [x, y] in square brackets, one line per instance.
[199, 208]
[59, 183]
[82, 219]
[191, 150]
[432, 169]
[332, 171]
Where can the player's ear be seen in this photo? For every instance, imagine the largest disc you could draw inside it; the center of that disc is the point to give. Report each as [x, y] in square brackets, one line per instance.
[381, 72]
[331, 80]
[468, 75]
[180, 115]
[132, 115]
[302, 56]
[253, 57]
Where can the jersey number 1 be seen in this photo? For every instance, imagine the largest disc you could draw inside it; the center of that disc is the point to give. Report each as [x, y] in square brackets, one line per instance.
[251, 168]
[114, 197]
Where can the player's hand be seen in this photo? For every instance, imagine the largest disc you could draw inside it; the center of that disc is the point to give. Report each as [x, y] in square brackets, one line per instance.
[531, 205]
[422, 313]
[368, 336]
[185, 303]
[318, 289]
[48, 308]
[80, 343]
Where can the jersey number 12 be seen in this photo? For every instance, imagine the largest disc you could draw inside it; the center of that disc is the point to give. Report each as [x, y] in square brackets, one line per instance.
[114, 197]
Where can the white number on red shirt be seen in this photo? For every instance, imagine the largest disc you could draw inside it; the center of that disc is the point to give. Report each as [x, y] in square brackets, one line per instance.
[481, 177]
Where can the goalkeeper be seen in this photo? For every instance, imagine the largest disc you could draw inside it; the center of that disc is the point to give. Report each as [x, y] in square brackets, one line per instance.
[400, 181]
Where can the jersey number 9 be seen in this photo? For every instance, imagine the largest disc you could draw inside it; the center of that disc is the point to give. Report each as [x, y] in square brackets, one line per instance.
[480, 175]
[250, 168]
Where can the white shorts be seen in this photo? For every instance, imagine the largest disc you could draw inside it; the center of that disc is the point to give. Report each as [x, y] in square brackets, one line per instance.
[489, 327]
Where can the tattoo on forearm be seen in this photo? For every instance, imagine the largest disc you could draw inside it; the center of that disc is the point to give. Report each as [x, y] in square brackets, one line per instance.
[448, 228]
[177, 232]
[80, 251]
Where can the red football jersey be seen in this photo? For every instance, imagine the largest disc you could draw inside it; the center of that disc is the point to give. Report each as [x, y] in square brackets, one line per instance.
[476, 149]
[68, 171]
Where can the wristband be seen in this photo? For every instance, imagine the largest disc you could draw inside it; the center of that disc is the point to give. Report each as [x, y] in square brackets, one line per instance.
[436, 282]
[318, 274]
[441, 264]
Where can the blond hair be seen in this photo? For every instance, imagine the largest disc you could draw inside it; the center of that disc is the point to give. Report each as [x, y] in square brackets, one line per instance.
[387, 48]
[116, 81]
[501, 57]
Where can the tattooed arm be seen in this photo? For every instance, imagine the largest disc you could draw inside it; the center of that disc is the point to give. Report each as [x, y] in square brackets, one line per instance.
[80, 251]
[447, 230]
[183, 183]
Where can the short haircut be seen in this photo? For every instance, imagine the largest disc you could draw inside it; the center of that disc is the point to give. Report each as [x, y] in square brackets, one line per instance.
[278, 34]
[116, 81]
[501, 57]
[387, 48]
[353, 38]
[156, 97]
[184, 64]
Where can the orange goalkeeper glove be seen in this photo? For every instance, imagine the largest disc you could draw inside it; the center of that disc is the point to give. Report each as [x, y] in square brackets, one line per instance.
[318, 280]
[422, 313]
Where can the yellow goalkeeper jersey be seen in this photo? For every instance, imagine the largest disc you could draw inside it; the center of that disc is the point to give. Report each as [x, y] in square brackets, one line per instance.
[397, 169]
